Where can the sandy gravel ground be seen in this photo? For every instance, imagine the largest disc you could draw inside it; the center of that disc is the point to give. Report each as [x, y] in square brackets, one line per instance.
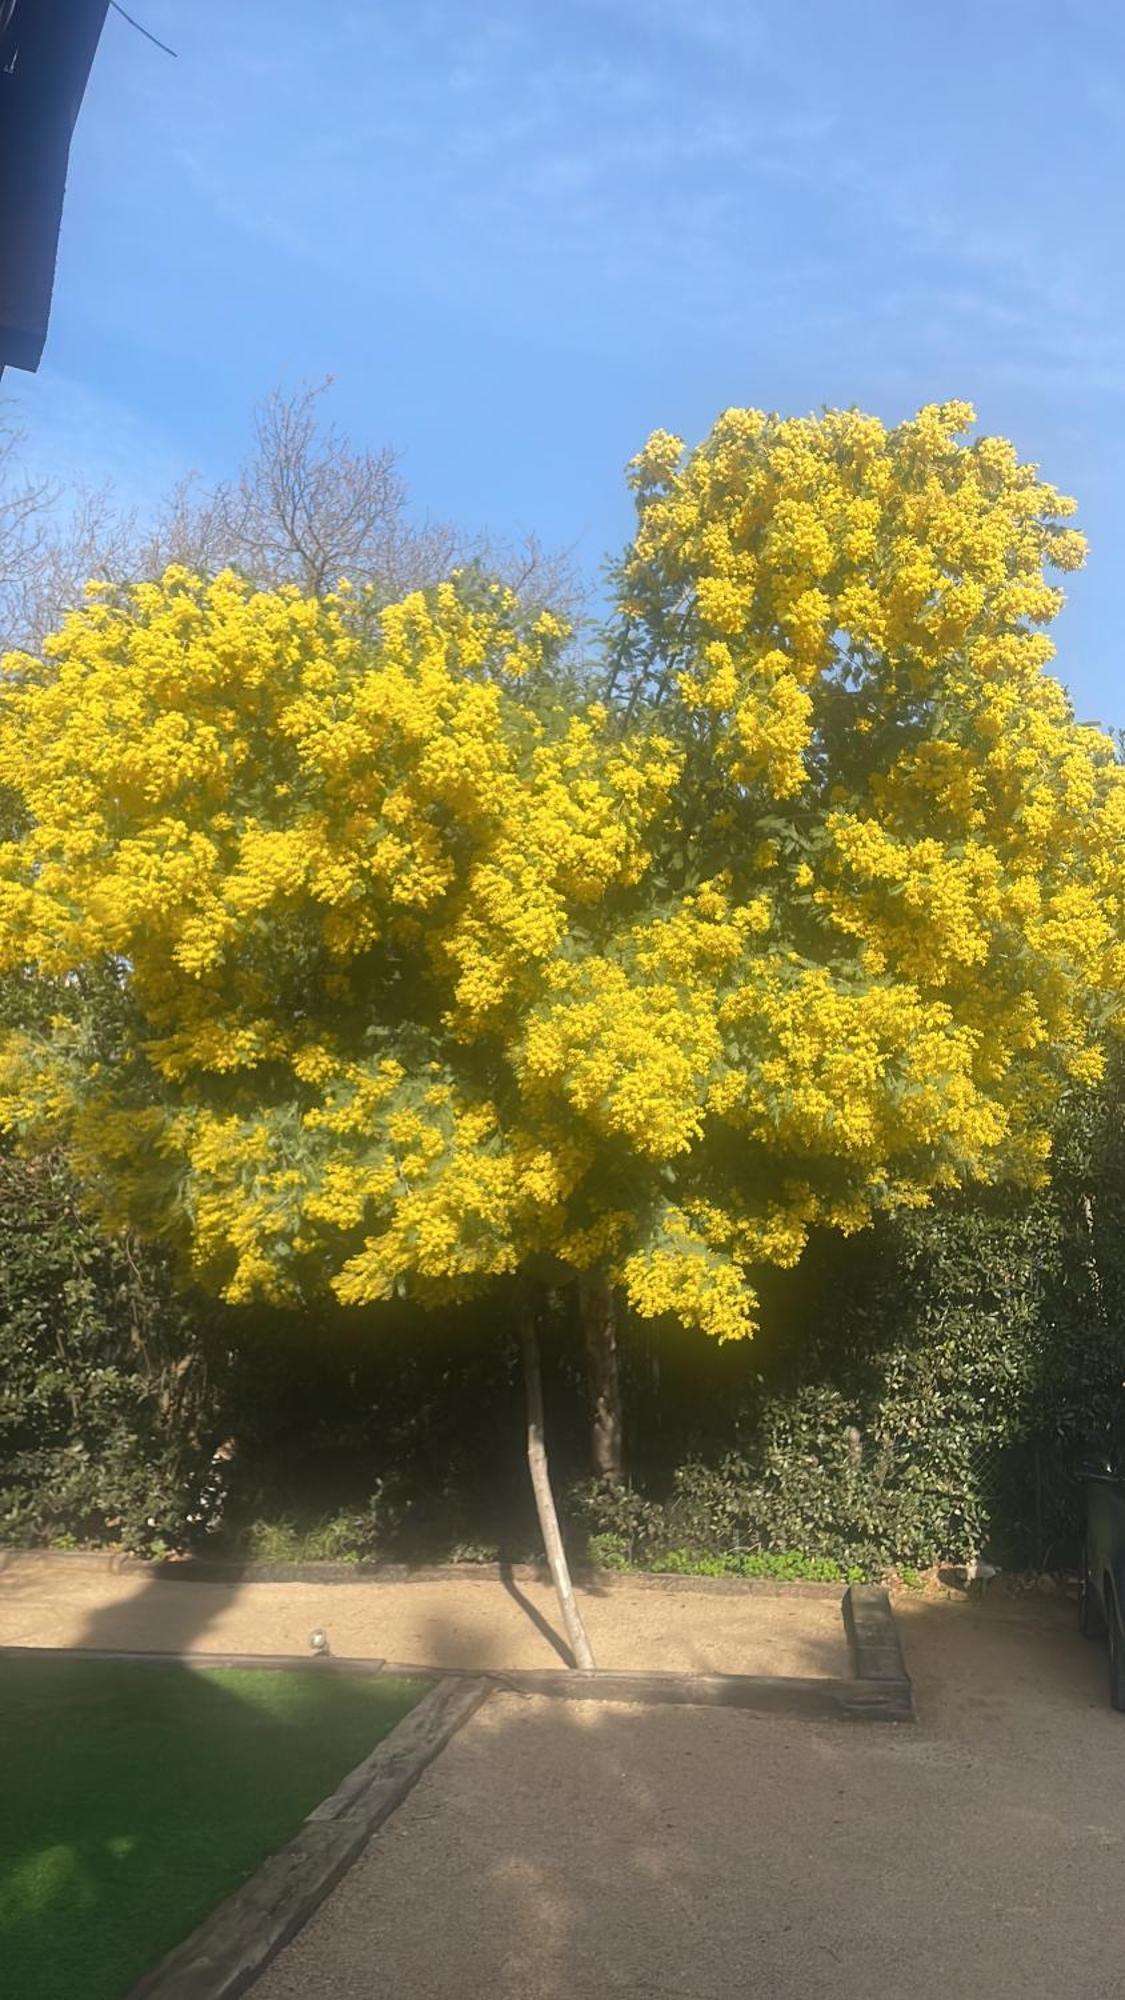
[558, 1850]
[474, 1622]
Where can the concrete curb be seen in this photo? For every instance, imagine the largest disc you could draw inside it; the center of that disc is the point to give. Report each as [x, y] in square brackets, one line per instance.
[234, 1944]
[873, 1636]
[758, 1694]
[879, 1689]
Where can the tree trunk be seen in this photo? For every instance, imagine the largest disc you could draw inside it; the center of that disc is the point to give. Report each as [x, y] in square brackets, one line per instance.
[599, 1325]
[541, 1484]
[1092, 1265]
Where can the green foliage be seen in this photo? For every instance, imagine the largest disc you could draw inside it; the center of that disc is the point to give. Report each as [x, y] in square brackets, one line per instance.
[608, 1551]
[349, 1537]
[107, 1398]
[785, 1566]
[373, 1433]
[922, 1392]
[925, 1393]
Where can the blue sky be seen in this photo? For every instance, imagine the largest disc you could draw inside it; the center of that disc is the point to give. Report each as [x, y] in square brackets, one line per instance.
[523, 235]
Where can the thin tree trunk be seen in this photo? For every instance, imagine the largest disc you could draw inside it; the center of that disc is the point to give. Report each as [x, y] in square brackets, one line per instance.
[541, 1484]
[1092, 1255]
[599, 1325]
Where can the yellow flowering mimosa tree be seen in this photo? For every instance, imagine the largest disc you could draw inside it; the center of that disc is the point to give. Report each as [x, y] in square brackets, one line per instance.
[882, 926]
[433, 972]
[330, 871]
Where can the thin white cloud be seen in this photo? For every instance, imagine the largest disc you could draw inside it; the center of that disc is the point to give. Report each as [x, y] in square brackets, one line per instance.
[664, 164]
[79, 435]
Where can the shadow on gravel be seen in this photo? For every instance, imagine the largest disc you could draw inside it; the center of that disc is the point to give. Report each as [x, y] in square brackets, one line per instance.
[184, 1611]
[569, 1852]
[532, 1611]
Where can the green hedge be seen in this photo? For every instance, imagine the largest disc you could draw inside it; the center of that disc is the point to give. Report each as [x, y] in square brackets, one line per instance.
[923, 1400]
[109, 1415]
[923, 1392]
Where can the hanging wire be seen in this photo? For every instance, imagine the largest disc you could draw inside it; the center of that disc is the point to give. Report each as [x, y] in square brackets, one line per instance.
[142, 31]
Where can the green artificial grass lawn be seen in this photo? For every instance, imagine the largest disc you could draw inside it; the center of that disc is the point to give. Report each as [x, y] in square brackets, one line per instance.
[133, 1798]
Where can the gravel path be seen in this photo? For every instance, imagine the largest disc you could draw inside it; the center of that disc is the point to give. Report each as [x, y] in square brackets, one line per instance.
[451, 1622]
[559, 1850]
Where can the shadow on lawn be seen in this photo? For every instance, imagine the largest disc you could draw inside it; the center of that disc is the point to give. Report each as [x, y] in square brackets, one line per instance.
[139, 1794]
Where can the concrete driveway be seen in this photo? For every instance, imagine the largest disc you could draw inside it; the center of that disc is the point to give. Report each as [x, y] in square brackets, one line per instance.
[562, 1850]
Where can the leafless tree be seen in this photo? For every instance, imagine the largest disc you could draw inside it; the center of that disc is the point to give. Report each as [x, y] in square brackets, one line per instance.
[88, 537]
[24, 503]
[306, 508]
[541, 577]
[51, 541]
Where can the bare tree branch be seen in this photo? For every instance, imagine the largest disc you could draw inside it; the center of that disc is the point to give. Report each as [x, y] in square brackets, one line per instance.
[309, 509]
[51, 544]
[306, 508]
[24, 505]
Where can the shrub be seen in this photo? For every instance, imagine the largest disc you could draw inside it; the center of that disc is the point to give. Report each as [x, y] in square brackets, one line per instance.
[921, 1393]
[109, 1405]
[951, 1370]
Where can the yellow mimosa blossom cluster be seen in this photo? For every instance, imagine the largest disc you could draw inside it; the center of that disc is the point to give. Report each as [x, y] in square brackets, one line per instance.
[426, 964]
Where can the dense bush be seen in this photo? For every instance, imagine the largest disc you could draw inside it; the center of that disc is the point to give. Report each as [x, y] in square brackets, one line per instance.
[110, 1408]
[133, 1414]
[934, 1407]
[922, 1392]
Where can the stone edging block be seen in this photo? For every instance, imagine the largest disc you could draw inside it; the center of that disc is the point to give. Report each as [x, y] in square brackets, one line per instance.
[873, 1636]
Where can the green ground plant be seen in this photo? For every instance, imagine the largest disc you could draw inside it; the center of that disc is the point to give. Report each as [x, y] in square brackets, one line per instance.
[136, 1797]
